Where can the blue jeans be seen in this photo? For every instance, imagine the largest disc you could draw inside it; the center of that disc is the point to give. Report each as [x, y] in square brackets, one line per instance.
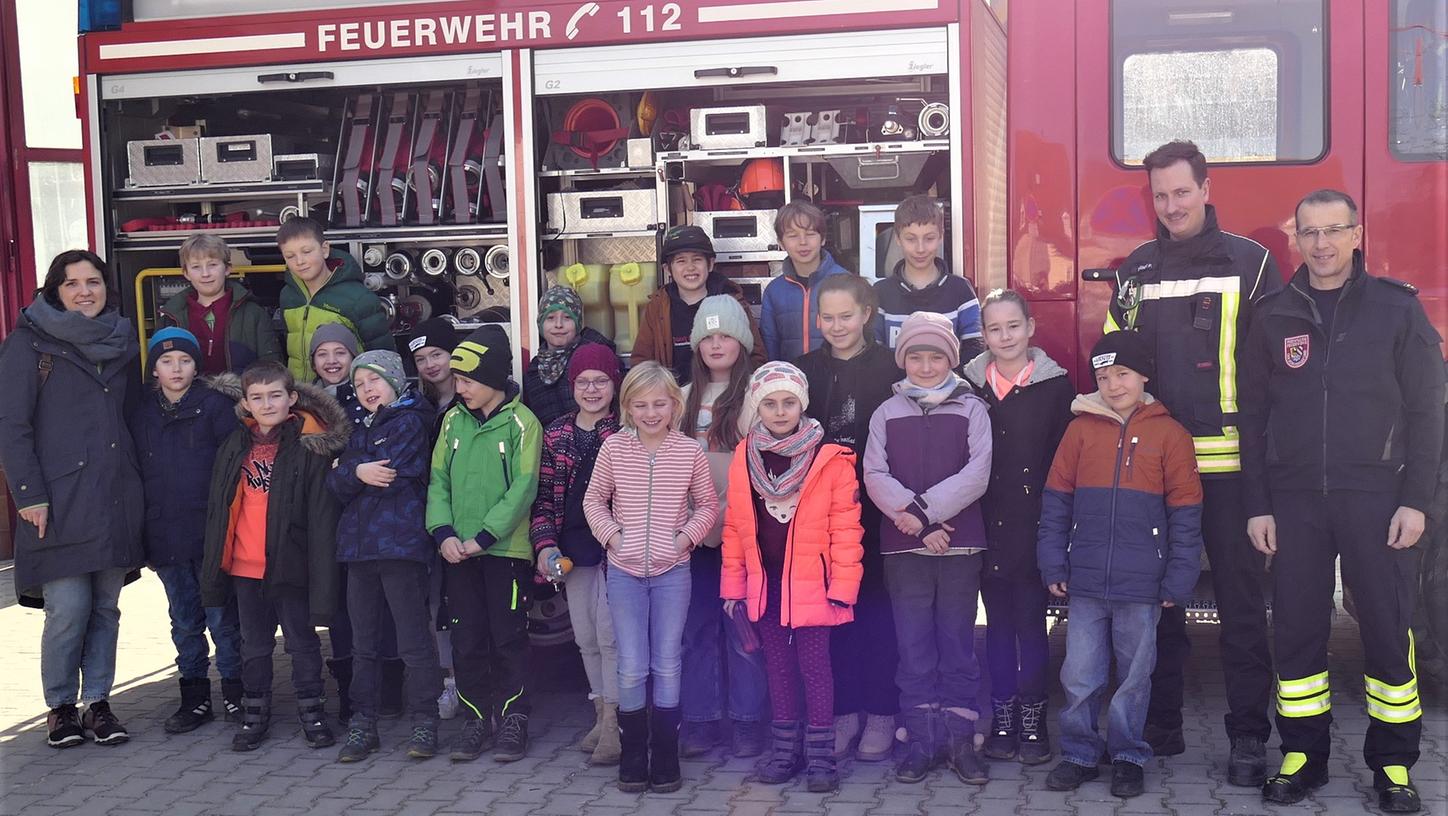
[1095, 630]
[78, 641]
[190, 622]
[648, 624]
[705, 687]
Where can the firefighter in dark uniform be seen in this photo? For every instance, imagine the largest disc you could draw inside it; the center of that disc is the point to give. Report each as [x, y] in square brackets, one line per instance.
[1191, 293]
[1342, 427]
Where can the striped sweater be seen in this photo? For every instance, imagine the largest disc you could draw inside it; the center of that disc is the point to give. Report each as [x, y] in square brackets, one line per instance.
[650, 498]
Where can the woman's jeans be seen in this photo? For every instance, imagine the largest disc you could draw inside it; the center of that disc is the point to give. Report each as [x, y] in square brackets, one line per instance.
[190, 622]
[78, 642]
[648, 624]
[711, 679]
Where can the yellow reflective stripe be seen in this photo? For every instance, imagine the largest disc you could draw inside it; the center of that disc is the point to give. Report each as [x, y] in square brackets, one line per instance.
[510, 701]
[1308, 707]
[1302, 686]
[469, 703]
[1394, 713]
[1214, 465]
[1227, 352]
[1397, 774]
[1229, 442]
[1391, 694]
[1293, 762]
[514, 605]
[1111, 325]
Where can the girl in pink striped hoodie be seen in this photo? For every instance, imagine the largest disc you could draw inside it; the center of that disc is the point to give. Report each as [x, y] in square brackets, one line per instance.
[650, 502]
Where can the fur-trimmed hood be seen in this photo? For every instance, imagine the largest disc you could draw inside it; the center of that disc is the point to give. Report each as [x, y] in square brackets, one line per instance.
[226, 384]
[325, 427]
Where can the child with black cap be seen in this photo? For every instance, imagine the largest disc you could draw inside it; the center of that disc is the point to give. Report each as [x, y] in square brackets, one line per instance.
[177, 432]
[484, 480]
[1121, 532]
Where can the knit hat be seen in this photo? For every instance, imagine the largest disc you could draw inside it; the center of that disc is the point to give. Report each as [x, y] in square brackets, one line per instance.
[334, 333]
[561, 299]
[927, 330]
[386, 364]
[1123, 348]
[594, 357]
[773, 377]
[437, 332]
[722, 314]
[485, 357]
[173, 339]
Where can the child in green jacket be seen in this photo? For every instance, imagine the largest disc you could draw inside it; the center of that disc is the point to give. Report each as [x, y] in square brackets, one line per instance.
[484, 479]
[324, 285]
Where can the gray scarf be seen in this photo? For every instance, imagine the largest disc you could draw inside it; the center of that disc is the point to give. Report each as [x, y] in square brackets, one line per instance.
[100, 339]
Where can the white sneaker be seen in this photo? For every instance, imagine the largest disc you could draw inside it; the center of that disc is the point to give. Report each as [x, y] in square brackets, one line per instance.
[847, 727]
[447, 704]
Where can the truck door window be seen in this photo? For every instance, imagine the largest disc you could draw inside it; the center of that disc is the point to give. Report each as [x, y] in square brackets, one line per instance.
[1418, 80]
[1246, 81]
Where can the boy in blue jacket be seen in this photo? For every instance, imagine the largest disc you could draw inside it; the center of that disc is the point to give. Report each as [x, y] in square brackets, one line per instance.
[177, 430]
[381, 481]
[1121, 531]
[789, 316]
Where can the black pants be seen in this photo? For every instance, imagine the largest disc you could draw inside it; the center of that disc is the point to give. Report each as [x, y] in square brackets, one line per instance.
[865, 650]
[934, 599]
[1313, 530]
[374, 588]
[1236, 570]
[487, 598]
[1016, 652]
[260, 612]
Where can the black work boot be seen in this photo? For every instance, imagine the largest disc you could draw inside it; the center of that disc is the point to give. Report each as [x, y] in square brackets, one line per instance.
[919, 745]
[820, 773]
[664, 773]
[786, 756]
[1004, 738]
[1035, 744]
[314, 723]
[195, 710]
[1068, 776]
[963, 757]
[361, 739]
[1127, 779]
[341, 671]
[1247, 764]
[512, 738]
[1396, 793]
[255, 722]
[633, 738]
[231, 694]
[1164, 742]
[1299, 776]
[478, 736]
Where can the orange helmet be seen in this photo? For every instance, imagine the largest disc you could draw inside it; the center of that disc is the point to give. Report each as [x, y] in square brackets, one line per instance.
[762, 176]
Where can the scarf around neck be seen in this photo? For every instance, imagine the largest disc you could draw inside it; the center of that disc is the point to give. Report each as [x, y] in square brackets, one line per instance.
[930, 397]
[552, 362]
[99, 339]
[799, 447]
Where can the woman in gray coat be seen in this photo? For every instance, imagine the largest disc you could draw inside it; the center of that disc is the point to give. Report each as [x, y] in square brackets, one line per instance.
[68, 371]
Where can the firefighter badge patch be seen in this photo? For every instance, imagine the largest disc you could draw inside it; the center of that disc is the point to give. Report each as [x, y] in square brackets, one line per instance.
[1296, 349]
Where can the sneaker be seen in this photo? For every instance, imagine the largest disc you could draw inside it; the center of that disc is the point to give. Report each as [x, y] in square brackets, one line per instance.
[699, 738]
[1069, 776]
[1003, 741]
[748, 739]
[102, 725]
[512, 739]
[447, 704]
[1247, 764]
[847, 728]
[62, 727]
[1396, 793]
[360, 741]
[1126, 779]
[1164, 742]
[423, 742]
[877, 740]
[477, 736]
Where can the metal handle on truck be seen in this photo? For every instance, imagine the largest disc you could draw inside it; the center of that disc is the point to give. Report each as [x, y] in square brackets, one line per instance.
[1098, 275]
[740, 71]
[295, 76]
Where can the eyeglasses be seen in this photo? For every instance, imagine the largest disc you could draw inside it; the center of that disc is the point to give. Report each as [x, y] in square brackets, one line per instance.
[591, 385]
[1331, 233]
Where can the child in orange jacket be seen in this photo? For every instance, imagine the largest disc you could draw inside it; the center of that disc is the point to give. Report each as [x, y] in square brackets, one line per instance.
[792, 556]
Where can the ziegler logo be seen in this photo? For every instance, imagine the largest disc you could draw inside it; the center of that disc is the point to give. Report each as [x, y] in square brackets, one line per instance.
[921, 67]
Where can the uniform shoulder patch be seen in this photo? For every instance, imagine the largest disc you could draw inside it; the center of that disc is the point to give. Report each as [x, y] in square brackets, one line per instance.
[1403, 285]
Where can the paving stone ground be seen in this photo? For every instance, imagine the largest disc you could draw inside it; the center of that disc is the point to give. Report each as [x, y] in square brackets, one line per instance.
[197, 773]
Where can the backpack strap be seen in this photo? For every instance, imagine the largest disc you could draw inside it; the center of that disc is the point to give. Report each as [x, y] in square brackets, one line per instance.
[44, 365]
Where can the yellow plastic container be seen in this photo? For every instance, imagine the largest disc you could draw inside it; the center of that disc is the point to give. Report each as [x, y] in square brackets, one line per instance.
[629, 287]
[590, 281]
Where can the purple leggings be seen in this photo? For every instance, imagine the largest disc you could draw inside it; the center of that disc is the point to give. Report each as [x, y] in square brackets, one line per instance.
[787, 660]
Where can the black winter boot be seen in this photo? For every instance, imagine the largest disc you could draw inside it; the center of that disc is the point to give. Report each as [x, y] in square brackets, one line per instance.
[478, 736]
[820, 775]
[633, 738]
[231, 694]
[786, 757]
[314, 723]
[255, 722]
[1004, 738]
[919, 745]
[1035, 747]
[195, 709]
[390, 699]
[341, 669]
[964, 759]
[664, 773]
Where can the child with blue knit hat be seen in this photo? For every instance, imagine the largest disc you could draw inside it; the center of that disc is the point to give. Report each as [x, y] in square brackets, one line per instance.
[177, 431]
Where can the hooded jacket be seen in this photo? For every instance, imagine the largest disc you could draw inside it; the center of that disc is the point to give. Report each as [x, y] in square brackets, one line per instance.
[301, 516]
[342, 299]
[950, 295]
[549, 402]
[1122, 515]
[656, 335]
[787, 318]
[1362, 410]
[934, 464]
[177, 448]
[386, 523]
[249, 332]
[485, 477]
[1026, 426]
[558, 478]
[65, 443]
[822, 552]
[1193, 301]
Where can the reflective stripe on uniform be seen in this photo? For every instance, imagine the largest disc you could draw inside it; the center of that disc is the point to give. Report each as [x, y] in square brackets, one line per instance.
[1227, 351]
[1190, 287]
[1395, 703]
[1302, 686]
[1304, 696]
